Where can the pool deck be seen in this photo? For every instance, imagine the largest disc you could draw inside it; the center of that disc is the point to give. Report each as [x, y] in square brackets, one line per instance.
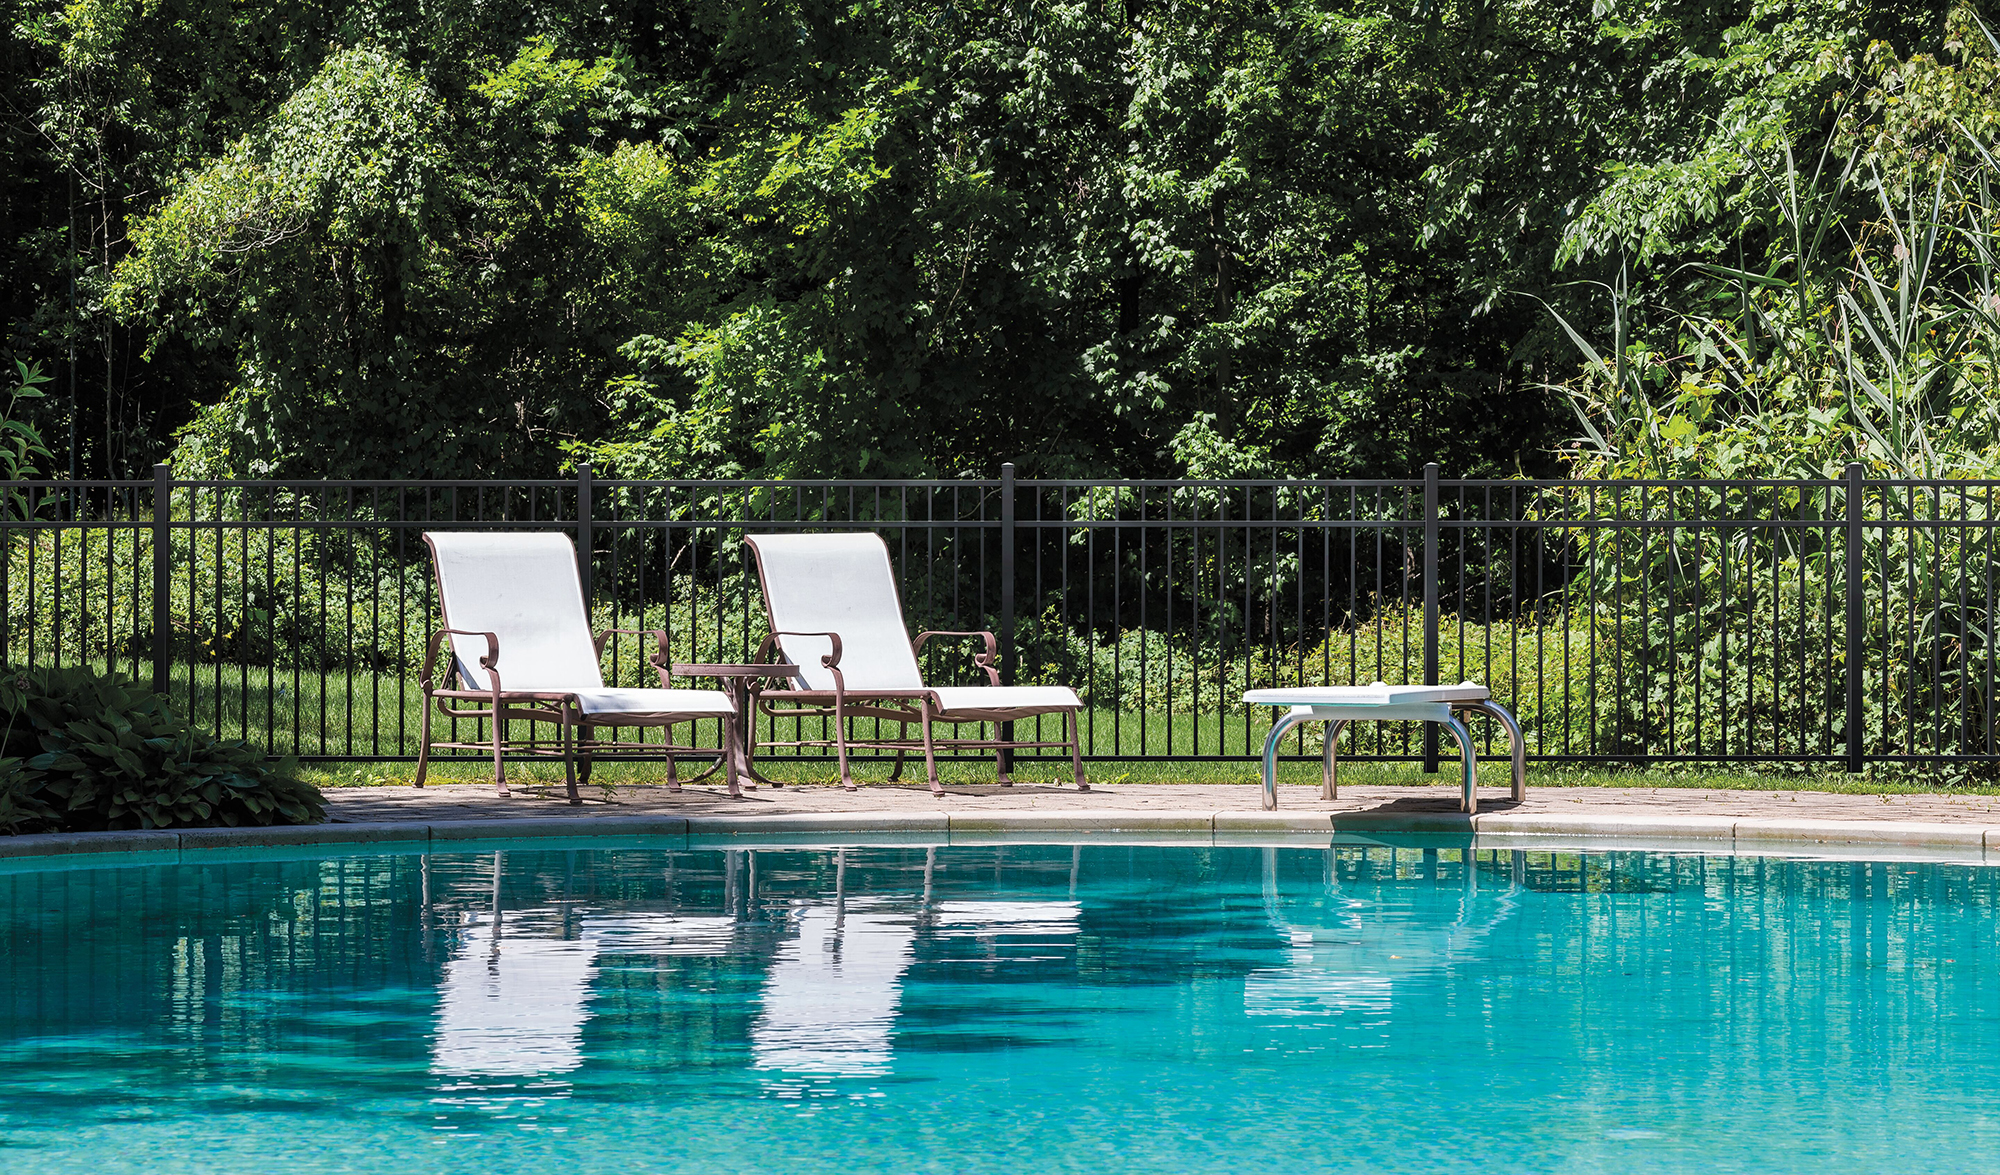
[477, 802]
[1942, 826]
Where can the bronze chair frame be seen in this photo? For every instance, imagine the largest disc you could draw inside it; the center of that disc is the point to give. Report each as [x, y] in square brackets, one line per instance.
[842, 705]
[576, 743]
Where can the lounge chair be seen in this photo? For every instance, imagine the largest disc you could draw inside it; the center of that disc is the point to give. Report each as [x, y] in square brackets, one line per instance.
[520, 595]
[834, 611]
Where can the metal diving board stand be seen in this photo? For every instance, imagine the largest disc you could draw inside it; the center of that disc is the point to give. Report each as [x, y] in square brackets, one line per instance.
[1342, 704]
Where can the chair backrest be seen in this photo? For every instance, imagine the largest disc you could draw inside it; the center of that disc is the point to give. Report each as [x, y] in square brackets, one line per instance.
[523, 588]
[837, 583]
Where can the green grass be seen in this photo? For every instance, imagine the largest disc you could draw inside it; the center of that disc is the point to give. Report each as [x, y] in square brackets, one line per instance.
[290, 712]
[1492, 774]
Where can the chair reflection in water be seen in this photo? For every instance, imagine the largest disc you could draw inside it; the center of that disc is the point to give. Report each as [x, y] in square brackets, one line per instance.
[517, 992]
[831, 999]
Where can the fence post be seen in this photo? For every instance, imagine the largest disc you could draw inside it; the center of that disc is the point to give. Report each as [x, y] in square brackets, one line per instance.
[163, 517]
[1856, 621]
[1431, 606]
[1007, 658]
[1007, 530]
[7, 499]
[584, 537]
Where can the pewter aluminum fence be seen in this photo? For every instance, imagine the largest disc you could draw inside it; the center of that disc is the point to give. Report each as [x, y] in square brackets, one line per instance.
[1834, 623]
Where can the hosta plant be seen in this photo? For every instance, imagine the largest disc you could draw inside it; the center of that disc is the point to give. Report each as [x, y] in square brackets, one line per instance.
[83, 751]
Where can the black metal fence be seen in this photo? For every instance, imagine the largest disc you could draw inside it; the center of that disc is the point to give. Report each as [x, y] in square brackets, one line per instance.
[1838, 622]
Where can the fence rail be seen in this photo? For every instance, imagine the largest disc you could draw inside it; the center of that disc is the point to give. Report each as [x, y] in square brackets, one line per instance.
[1837, 622]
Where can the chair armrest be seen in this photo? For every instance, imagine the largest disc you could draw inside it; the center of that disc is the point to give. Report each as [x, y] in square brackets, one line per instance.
[659, 661]
[989, 660]
[830, 661]
[490, 662]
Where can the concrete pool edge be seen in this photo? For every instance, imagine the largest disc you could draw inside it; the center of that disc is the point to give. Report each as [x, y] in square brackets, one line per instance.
[1743, 836]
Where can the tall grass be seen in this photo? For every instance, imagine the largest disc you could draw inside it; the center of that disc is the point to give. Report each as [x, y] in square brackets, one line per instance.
[1870, 336]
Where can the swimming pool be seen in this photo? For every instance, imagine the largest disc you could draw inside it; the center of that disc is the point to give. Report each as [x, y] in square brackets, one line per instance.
[1002, 1008]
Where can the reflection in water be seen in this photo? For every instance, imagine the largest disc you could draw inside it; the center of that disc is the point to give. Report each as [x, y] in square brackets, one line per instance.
[831, 997]
[515, 1006]
[1123, 1008]
[661, 934]
[832, 992]
[515, 995]
[512, 1006]
[1034, 920]
[1347, 954]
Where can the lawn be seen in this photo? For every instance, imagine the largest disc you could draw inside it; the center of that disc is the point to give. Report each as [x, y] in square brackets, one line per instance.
[1492, 774]
[376, 714]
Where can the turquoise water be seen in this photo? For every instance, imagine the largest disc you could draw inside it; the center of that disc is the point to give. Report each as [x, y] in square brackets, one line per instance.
[1008, 1008]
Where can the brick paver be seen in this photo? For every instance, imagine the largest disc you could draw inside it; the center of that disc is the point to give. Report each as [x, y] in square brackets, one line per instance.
[464, 802]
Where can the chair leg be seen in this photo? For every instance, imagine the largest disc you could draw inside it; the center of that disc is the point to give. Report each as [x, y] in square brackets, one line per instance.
[1001, 766]
[584, 762]
[673, 770]
[1076, 753]
[896, 773]
[729, 740]
[840, 746]
[930, 752]
[424, 743]
[499, 764]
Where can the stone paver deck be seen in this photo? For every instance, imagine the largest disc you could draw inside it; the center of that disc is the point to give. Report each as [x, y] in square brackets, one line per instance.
[477, 802]
[1918, 827]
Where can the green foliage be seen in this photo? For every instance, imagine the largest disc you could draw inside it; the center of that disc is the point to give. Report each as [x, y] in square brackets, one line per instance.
[324, 210]
[21, 447]
[309, 598]
[829, 239]
[1563, 684]
[1868, 334]
[1869, 330]
[83, 752]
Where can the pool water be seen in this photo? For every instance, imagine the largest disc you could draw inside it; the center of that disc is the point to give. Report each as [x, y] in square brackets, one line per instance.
[1009, 1008]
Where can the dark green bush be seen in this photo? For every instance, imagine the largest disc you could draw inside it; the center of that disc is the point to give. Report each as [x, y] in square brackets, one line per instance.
[82, 751]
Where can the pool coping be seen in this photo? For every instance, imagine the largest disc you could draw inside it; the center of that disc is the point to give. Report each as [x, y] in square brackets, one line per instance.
[1742, 836]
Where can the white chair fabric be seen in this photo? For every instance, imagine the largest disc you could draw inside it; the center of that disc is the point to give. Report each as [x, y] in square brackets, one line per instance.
[646, 705]
[525, 589]
[843, 583]
[838, 583]
[953, 699]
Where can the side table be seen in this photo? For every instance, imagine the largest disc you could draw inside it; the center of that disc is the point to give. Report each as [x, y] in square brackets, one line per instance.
[736, 681]
[1340, 705]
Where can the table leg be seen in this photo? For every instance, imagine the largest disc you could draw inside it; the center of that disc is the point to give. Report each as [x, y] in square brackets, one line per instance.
[1329, 784]
[746, 737]
[1515, 742]
[1278, 730]
[1469, 802]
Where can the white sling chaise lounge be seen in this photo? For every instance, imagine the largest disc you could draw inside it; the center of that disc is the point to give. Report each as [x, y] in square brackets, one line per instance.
[520, 595]
[834, 611]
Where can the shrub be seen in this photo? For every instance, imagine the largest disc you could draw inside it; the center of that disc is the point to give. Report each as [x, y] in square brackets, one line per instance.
[83, 751]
